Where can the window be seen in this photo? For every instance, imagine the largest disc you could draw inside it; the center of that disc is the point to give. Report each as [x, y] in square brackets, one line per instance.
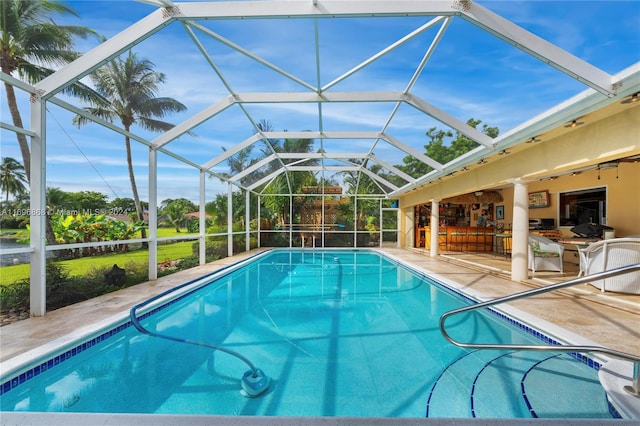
[584, 206]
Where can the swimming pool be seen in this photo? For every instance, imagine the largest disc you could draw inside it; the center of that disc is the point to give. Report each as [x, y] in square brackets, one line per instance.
[340, 333]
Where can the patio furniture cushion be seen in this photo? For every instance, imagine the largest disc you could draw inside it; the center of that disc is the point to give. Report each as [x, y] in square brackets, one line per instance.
[538, 252]
[544, 254]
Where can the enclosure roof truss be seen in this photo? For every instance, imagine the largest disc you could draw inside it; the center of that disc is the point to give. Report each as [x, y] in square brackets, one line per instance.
[327, 162]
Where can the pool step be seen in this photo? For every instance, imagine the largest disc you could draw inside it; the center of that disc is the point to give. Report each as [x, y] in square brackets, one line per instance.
[450, 395]
[566, 376]
[491, 384]
[498, 390]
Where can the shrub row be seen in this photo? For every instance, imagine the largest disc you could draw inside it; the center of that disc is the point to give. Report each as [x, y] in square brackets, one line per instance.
[63, 289]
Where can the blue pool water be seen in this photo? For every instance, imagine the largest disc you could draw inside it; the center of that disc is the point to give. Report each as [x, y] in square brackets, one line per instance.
[340, 333]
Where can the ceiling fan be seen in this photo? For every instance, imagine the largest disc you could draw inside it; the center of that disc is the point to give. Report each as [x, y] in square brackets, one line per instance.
[573, 124]
[533, 140]
[504, 152]
[631, 98]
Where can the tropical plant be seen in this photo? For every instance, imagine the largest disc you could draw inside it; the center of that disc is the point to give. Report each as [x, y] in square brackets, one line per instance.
[175, 212]
[289, 182]
[128, 88]
[30, 42]
[12, 178]
[85, 228]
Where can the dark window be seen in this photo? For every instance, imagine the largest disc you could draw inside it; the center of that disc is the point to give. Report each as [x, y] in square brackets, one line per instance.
[585, 206]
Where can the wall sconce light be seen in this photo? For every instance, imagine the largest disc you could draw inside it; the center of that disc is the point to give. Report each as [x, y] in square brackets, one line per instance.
[631, 98]
[575, 123]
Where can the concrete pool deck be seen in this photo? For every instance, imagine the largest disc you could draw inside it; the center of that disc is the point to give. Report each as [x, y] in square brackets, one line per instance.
[580, 313]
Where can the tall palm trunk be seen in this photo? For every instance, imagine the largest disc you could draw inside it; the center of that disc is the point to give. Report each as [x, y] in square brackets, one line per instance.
[134, 187]
[17, 121]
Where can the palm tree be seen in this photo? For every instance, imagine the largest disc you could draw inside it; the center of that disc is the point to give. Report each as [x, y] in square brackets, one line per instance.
[30, 41]
[12, 178]
[290, 182]
[127, 89]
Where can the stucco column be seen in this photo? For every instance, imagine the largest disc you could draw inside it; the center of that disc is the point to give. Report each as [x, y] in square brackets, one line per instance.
[409, 227]
[435, 220]
[519, 253]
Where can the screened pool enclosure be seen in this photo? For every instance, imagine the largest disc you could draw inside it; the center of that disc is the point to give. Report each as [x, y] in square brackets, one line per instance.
[310, 120]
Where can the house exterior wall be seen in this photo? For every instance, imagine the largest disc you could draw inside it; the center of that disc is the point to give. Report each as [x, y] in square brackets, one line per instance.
[623, 196]
[612, 137]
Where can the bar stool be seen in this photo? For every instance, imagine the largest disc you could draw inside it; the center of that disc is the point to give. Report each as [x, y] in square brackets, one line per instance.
[459, 239]
[442, 238]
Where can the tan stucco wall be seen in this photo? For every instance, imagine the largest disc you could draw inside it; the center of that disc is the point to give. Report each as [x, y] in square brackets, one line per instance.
[623, 196]
[610, 138]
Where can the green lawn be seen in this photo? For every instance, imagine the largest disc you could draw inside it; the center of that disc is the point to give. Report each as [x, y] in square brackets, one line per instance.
[15, 233]
[10, 274]
[162, 232]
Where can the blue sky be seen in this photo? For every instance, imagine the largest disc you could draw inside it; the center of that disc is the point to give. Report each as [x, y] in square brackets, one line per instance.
[471, 75]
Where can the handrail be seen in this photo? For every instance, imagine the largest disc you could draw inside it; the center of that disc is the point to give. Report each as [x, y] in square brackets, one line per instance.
[564, 348]
[574, 348]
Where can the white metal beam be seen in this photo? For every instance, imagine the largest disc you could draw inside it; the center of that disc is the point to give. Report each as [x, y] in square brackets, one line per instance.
[202, 240]
[540, 48]
[230, 220]
[379, 179]
[322, 135]
[308, 97]
[231, 151]
[38, 205]
[16, 129]
[98, 120]
[193, 121]
[321, 168]
[153, 215]
[324, 9]
[319, 155]
[449, 120]
[392, 168]
[6, 78]
[158, 3]
[266, 179]
[119, 130]
[252, 168]
[103, 53]
[247, 53]
[383, 52]
[411, 151]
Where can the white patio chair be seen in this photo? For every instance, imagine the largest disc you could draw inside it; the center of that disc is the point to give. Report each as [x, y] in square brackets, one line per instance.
[610, 254]
[544, 254]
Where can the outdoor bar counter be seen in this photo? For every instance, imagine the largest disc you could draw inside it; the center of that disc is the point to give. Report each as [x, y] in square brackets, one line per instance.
[458, 238]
